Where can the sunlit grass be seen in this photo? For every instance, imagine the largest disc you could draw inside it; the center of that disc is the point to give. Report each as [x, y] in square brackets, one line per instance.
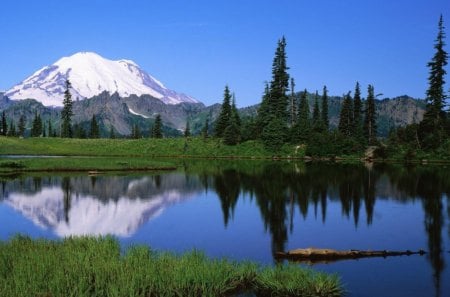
[95, 267]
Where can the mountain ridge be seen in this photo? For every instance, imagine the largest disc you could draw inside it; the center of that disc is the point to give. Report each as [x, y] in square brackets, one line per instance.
[90, 74]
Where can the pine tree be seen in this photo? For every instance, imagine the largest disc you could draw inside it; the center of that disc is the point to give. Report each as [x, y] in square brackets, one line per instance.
[235, 113]
[95, 130]
[205, 129]
[346, 116]
[187, 130]
[157, 128]
[324, 114]
[36, 128]
[4, 126]
[21, 126]
[11, 129]
[232, 133]
[280, 82]
[316, 113]
[357, 112]
[225, 113]
[67, 113]
[50, 129]
[303, 112]
[112, 134]
[434, 118]
[136, 132]
[44, 133]
[293, 104]
[370, 128]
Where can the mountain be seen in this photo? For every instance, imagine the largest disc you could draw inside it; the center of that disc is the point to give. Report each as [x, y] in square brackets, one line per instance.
[75, 206]
[90, 75]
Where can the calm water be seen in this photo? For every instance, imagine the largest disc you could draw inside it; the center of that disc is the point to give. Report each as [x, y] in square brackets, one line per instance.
[249, 210]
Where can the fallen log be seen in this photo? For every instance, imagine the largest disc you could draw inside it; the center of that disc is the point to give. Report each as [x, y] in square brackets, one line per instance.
[313, 255]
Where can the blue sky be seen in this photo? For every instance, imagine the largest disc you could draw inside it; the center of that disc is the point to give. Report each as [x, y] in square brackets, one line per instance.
[197, 47]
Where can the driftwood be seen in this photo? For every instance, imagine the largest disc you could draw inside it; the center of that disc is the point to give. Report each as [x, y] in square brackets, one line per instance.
[313, 255]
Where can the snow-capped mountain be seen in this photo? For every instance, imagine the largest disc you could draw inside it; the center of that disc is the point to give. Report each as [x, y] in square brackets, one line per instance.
[90, 75]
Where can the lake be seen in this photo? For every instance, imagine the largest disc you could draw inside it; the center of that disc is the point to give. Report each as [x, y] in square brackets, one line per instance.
[251, 209]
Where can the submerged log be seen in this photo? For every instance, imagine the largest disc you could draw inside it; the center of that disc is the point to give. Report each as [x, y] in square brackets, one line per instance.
[313, 255]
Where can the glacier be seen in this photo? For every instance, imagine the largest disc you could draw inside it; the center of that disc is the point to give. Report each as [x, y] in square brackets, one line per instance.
[90, 75]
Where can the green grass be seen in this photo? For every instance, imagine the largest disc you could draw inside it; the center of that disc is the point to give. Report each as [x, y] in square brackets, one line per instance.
[95, 267]
[173, 147]
[83, 164]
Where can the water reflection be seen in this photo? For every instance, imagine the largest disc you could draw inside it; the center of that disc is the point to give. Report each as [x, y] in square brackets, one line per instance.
[83, 205]
[119, 205]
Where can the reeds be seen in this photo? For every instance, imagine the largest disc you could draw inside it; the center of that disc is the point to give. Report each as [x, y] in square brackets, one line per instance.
[90, 266]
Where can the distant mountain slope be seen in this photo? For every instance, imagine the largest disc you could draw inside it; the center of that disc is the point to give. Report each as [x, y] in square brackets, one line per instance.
[90, 75]
[122, 113]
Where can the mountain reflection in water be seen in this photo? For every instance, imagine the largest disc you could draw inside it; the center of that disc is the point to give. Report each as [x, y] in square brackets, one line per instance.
[121, 205]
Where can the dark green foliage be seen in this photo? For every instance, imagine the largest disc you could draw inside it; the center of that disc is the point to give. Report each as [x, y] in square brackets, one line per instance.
[316, 122]
[274, 135]
[302, 129]
[4, 125]
[205, 129]
[370, 127]
[232, 134]
[346, 116]
[136, 132]
[280, 83]
[112, 134]
[36, 128]
[225, 113]
[234, 117]
[95, 130]
[44, 133]
[157, 128]
[79, 131]
[432, 128]
[357, 112]
[67, 113]
[293, 105]
[249, 129]
[12, 129]
[21, 126]
[50, 128]
[275, 101]
[187, 130]
[324, 111]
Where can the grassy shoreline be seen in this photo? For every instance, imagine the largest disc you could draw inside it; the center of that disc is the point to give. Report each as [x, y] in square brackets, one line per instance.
[87, 266]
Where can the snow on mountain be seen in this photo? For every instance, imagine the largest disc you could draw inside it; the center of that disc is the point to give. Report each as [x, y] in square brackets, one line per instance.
[91, 74]
[90, 216]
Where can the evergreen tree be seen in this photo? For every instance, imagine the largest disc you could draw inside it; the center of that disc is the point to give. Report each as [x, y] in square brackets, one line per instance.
[274, 135]
[50, 129]
[36, 128]
[232, 134]
[346, 116]
[280, 82]
[293, 104]
[235, 113]
[370, 128]
[316, 113]
[433, 122]
[136, 132]
[302, 129]
[4, 126]
[264, 112]
[187, 130]
[205, 129]
[275, 101]
[95, 130]
[357, 112]
[112, 134]
[11, 129]
[21, 126]
[157, 128]
[67, 113]
[324, 114]
[44, 133]
[225, 113]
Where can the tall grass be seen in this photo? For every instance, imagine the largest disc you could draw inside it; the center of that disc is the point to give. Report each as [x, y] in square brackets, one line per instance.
[167, 147]
[95, 267]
